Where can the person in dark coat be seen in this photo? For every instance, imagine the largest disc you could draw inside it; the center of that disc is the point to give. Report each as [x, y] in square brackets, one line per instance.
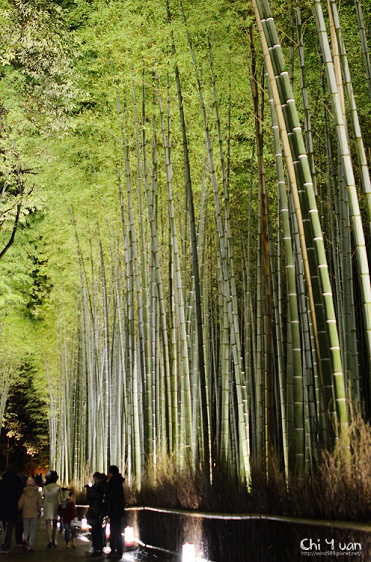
[115, 509]
[94, 515]
[11, 488]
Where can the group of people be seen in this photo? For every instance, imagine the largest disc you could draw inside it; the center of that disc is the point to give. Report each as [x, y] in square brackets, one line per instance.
[106, 500]
[21, 503]
[20, 506]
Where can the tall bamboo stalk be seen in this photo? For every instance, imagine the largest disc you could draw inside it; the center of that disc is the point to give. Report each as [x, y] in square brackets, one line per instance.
[329, 353]
[233, 316]
[344, 152]
[195, 265]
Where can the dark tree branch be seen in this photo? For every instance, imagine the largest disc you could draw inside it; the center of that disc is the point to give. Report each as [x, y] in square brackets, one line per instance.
[19, 207]
[12, 237]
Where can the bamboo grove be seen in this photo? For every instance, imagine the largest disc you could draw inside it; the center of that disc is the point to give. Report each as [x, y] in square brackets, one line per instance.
[219, 336]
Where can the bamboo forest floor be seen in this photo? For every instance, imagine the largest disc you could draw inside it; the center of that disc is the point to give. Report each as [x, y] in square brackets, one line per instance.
[62, 554]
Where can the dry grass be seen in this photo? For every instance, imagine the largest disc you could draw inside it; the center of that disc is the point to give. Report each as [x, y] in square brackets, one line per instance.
[340, 489]
[344, 477]
[165, 484]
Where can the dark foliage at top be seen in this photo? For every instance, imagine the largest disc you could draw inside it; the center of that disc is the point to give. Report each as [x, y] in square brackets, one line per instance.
[24, 437]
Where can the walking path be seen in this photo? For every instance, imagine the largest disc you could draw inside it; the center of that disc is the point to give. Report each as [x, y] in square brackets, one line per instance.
[61, 553]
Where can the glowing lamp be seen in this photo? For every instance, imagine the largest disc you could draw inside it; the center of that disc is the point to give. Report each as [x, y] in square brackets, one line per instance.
[188, 553]
[129, 536]
[84, 524]
[108, 530]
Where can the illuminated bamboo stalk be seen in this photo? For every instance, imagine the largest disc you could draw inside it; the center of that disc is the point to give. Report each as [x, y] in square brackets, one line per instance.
[114, 389]
[126, 339]
[363, 37]
[259, 456]
[195, 268]
[265, 267]
[233, 317]
[297, 451]
[152, 303]
[329, 350]
[304, 95]
[344, 151]
[292, 44]
[52, 414]
[311, 274]
[134, 447]
[186, 405]
[119, 349]
[312, 387]
[87, 346]
[228, 234]
[224, 374]
[137, 360]
[98, 367]
[338, 41]
[106, 379]
[143, 303]
[248, 309]
[340, 231]
[159, 319]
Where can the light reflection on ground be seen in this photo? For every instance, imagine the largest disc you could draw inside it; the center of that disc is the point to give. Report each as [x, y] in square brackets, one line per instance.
[129, 556]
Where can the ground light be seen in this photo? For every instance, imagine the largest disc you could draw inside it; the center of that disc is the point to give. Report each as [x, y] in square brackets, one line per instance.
[108, 530]
[129, 536]
[188, 552]
[84, 524]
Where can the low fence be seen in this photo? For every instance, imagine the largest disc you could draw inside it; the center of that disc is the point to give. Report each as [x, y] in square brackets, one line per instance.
[245, 538]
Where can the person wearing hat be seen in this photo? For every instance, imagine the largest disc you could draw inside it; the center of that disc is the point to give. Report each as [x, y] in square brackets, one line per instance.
[52, 494]
[10, 491]
[30, 505]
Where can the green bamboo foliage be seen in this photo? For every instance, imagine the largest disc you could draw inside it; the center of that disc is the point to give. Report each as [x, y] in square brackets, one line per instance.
[196, 336]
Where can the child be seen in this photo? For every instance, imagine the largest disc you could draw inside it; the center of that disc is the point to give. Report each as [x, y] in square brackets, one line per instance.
[30, 505]
[68, 512]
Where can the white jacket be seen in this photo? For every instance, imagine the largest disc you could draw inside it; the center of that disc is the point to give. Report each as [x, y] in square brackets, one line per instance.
[52, 497]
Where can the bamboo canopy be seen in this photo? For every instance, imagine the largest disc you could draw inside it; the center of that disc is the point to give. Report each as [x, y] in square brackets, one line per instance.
[213, 187]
